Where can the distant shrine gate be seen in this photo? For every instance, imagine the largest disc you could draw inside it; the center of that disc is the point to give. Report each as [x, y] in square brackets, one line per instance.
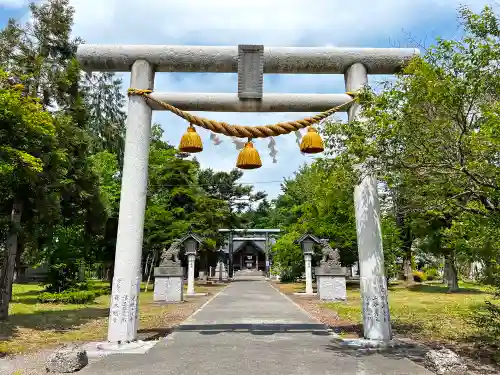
[249, 250]
[251, 62]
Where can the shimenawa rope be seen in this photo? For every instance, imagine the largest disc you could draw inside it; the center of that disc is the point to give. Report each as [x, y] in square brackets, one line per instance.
[261, 131]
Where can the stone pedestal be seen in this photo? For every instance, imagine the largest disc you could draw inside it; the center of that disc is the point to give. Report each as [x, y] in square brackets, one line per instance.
[220, 271]
[202, 276]
[169, 284]
[330, 282]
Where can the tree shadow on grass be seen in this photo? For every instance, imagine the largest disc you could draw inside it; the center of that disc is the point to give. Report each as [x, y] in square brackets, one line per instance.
[352, 286]
[442, 289]
[484, 348]
[27, 293]
[405, 329]
[483, 344]
[24, 301]
[59, 321]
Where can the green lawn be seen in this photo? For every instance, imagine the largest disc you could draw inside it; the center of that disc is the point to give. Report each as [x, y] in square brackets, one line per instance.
[33, 325]
[425, 312]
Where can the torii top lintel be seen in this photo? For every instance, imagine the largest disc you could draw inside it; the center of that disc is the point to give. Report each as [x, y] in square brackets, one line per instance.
[224, 59]
[244, 230]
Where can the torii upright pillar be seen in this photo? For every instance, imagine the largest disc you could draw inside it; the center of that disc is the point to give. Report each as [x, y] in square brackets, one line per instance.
[123, 317]
[373, 284]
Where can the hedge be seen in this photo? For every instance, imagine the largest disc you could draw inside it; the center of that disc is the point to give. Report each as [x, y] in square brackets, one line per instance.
[72, 297]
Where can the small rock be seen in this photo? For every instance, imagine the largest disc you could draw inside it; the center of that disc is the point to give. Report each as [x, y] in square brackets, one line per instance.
[445, 361]
[67, 359]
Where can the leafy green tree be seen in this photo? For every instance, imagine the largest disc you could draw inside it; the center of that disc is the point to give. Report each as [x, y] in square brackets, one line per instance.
[288, 259]
[44, 51]
[225, 186]
[27, 153]
[433, 133]
[104, 164]
[106, 119]
[319, 200]
[171, 193]
[393, 249]
[260, 216]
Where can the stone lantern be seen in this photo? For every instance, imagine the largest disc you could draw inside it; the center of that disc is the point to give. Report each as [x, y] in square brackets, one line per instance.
[307, 242]
[220, 269]
[191, 244]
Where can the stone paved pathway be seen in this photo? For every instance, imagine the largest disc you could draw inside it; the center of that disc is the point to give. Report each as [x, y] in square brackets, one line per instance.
[251, 328]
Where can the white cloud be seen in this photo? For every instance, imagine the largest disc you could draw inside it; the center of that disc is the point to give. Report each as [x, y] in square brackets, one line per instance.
[16, 4]
[12, 3]
[276, 22]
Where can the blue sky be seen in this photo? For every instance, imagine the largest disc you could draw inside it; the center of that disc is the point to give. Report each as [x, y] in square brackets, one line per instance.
[358, 23]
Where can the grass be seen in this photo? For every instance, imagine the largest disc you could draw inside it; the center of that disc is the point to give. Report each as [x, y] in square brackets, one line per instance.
[290, 288]
[425, 312]
[34, 326]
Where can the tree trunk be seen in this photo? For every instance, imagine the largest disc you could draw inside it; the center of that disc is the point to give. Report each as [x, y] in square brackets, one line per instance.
[18, 264]
[407, 270]
[451, 275]
[146, 267]
[7, 275]
[111, 274]
[445, 272]
[406, 237]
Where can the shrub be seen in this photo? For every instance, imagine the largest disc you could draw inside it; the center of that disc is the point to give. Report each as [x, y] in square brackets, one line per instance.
[418, 276]
[487, 319]
[431, 274]
[289, 257]
[82, 285]
[487, 315]
[288, 275]
[72, 296]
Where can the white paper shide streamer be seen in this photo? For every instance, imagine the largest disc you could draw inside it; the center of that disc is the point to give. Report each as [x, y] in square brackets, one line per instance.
[298, 134]
[215, 139]
[238, 144]
[272, 149]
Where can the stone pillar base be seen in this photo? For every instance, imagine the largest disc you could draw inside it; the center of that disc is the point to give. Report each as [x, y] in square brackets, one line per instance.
[169, 284]
[202, 277]
[331, 283]
[225, 276]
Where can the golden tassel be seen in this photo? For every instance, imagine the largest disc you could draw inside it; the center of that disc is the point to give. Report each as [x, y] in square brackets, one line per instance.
[249, 157]
[191, 141]
[311, 142]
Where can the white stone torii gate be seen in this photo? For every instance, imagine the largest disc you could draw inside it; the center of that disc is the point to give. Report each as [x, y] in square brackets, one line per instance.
[250, 62]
